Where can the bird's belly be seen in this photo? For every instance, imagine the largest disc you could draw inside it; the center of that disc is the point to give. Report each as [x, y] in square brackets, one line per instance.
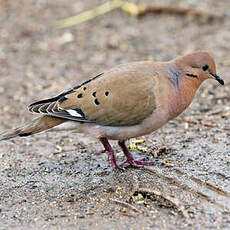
[150, 124]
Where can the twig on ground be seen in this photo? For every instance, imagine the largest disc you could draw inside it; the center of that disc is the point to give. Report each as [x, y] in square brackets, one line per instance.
[89, 14]
[64, 151]
[195, 122]
[202, 124]
[132, 9]
[140, 10]
[125, 204]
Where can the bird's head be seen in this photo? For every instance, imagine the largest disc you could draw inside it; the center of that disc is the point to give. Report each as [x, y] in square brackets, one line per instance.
[199, 66]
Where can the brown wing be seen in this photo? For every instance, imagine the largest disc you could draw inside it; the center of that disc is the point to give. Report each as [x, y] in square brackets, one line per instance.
[119, 97]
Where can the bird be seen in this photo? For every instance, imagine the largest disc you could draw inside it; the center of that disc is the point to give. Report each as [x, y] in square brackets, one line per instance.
[127, 101]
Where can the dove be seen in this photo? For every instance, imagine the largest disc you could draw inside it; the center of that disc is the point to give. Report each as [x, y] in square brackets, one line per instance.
[127, 101]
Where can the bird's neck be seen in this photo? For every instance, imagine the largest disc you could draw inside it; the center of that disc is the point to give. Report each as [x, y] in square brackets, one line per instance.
[182, 95]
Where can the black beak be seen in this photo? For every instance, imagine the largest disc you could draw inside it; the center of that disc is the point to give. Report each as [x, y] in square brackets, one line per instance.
[219, 79]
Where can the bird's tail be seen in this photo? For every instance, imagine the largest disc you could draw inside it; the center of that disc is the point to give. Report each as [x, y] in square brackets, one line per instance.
[36, 126]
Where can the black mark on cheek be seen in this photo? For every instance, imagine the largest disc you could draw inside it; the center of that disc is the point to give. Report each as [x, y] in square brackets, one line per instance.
[96, 102]
[80, 95]
[191, 75]
[106, 93]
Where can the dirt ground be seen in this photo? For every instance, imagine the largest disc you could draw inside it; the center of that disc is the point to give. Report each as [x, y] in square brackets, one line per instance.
[53, 181]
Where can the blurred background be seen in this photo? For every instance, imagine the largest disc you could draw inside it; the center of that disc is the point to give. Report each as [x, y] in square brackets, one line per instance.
[52, 179]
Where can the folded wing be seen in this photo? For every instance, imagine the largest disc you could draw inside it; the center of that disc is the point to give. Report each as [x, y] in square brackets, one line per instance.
[120, 97]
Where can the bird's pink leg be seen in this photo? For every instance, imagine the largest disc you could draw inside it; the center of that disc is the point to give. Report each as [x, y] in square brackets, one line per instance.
[130, 159]
[109, 151]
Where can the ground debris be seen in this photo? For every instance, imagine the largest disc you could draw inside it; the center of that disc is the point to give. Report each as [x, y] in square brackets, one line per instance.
[170, 201]
[125, 204]
[134, 145]
[195, 122]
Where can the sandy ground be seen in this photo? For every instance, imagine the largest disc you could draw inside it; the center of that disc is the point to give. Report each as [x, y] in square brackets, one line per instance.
[53, 181]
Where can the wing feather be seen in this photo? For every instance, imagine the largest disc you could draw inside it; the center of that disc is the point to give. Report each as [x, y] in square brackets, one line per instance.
[119, 97]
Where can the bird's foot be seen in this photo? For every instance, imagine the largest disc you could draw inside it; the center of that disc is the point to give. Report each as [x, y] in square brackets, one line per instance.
[130, 160]
[136, 163]
[114, 164]
[111, 158]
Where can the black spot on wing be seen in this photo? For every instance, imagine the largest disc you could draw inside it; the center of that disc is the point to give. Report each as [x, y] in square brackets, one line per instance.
[106, 93]
[80, 95]
[94, 94]
[96, 102]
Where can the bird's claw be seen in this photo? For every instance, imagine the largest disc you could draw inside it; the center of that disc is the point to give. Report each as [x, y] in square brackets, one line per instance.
[137, 163]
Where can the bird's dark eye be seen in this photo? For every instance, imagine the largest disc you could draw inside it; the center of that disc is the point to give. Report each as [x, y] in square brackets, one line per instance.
[205, 67]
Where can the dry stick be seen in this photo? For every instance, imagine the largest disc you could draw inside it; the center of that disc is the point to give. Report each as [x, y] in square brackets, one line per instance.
[200, 123]
[132, 9]
[177, 11]
[89, 14]
[168, 198]
[64, 151]
[196, 123]
[125, 204]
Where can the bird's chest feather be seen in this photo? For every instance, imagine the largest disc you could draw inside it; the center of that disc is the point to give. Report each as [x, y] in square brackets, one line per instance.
[179, 100]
